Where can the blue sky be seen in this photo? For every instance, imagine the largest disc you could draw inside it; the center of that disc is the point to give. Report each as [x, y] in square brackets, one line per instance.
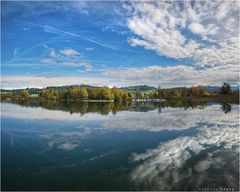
[119, 43]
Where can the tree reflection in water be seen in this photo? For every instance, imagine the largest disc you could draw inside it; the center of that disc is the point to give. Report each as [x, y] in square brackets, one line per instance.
[104, 108]
[226, 107]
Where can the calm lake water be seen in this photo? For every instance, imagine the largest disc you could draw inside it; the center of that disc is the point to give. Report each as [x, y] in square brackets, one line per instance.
[141, 146]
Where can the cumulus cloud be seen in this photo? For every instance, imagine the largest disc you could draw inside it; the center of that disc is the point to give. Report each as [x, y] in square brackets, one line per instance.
[70, 53]
[63, 53]
[196, 28]
[170, 76]
[166, 27]
[40, 81]
[180, 75]
[67, 58]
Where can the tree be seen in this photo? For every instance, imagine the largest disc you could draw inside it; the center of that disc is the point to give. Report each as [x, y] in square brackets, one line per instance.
[226, 88]
[75, 93]
[50, 94]
[125, 96]
[184, 92]
[83, 94]
[117, 94]
[175, 93]
[24, 93]
[106, 94]
[93, 93]
[159, 91]
[202, 90]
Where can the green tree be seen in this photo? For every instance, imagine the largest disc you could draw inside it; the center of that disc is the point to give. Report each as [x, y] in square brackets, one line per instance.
[50, 94]
[175, 93]
[75, 93]
[93, 93]
[159, 91]
[226, 88]
[24, 93]
[83, 94]
[202, 90]
[106, 94]
[117, 94]
[184, 92]
[125, 96]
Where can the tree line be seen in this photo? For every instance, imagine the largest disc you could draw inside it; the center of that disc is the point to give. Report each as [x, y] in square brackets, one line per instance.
[83, 93]
[115, 94]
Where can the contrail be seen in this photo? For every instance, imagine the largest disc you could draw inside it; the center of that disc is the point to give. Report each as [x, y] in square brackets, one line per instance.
[50, 29]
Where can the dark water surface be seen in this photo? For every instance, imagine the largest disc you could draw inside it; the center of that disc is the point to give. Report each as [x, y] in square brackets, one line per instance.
[141, 146]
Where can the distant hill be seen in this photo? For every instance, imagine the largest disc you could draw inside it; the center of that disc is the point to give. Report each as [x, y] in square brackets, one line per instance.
[213, 89]
[139, 88]
[217, 89]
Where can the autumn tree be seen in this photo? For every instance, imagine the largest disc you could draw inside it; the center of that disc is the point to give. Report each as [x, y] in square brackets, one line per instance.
[93, 93]
[83, 94]
[117, 94]
[75, 93]
[24, 93]
[106, 94]
[202, 90]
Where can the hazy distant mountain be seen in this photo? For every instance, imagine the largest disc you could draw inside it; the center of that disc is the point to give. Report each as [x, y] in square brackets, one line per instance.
[213, 89]
[217, 89]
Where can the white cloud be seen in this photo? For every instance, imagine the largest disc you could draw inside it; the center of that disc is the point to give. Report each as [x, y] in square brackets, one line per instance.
[171, 76]
[180, 75]
[76, 64]
[196, 28]
[13, 82]
[89, 49]
[67, 58]
[71, 53]
[52, 52]
[48, 61]
[166, 26]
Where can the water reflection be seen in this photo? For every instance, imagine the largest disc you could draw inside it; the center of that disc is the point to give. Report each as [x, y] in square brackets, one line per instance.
[226, 107]
[106, 108]
[210, 151]
[182, 145]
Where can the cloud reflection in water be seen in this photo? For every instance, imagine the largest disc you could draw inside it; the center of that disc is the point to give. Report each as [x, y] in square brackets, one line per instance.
[167, 166]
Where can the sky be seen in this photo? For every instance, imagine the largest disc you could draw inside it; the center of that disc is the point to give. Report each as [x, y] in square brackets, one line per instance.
[119, 43]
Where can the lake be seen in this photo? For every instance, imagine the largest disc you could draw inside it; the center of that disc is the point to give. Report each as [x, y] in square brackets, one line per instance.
[119, 146]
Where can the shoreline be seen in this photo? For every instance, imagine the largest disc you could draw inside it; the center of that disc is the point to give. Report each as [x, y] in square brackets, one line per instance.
[214, 98]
